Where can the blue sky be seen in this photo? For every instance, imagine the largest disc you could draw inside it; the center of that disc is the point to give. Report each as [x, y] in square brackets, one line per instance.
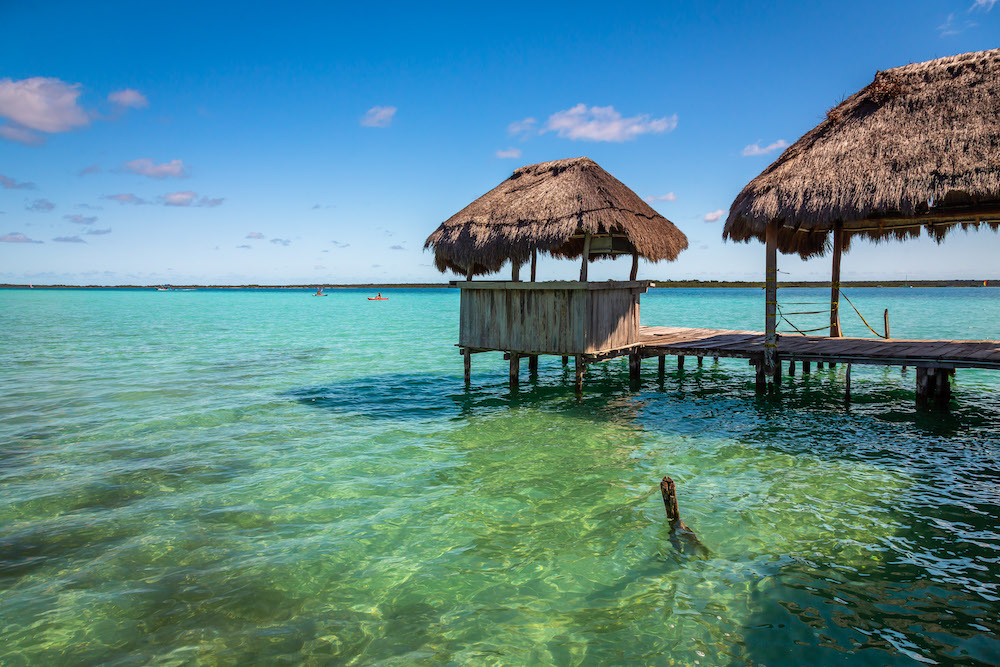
[243, 143]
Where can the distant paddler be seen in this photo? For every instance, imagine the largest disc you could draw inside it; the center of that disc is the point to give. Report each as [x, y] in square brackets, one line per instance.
[319, 292]
[378, 298]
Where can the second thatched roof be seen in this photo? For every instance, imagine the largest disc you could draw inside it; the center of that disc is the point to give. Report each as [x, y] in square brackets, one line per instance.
[548, 207]
[918, 146]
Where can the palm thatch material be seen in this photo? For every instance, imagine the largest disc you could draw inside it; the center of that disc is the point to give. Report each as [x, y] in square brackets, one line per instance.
[919, 146]
[549, 207]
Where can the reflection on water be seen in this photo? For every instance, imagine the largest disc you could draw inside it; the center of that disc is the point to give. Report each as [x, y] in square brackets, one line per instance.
[268, 498]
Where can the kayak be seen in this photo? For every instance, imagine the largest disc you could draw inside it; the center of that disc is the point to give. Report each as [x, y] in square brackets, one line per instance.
[378, 298]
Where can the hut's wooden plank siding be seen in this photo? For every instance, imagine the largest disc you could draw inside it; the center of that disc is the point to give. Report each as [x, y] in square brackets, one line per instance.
[564, 318]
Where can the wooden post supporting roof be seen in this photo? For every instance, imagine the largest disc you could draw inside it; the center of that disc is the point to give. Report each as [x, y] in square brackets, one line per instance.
[838, 250]
[515, 271]
[635, 266]
[586, 258]
[534, 263]
[771, 299]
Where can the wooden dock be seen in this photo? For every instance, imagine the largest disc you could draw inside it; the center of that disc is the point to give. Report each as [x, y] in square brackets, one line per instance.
[947, 354]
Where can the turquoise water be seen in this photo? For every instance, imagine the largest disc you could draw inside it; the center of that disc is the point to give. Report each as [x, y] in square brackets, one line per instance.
[220, 477]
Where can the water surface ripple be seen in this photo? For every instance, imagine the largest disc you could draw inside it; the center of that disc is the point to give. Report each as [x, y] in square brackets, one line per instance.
[265, 477]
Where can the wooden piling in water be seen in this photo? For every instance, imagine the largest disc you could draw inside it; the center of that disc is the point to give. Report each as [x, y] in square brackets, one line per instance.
[680, 362]
[701, 359]
[847, 384]
[791, 368]
[634, 367]
[806, 370]
[515, 367]
[580, 368]
[661, 366]
[467, 360]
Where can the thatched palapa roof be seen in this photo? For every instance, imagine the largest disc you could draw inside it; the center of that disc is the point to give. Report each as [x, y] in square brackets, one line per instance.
[918, 146]
[549, 207]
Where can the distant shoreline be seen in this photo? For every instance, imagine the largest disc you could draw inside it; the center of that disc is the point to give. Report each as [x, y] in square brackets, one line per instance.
[662, 284]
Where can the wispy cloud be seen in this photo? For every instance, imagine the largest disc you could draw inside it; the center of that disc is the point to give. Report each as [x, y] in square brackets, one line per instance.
[756, 149]
[509, 153]
[98, 232]
[954, 25]
[341, 245]
[17, 237]
[68, 239]
[396, 247]
[89, 169]
[283, 242]
[128, 98]
[714, 215]
[254, 235]
[605, 124]
[81, 219]
[9, 183]
[670, 196]
[146, 167]
[189, 198]
[126, 198]
[378, 116]
[523, 128]
[40, 206]
[244, 247]
[985, 5]
[21, 135]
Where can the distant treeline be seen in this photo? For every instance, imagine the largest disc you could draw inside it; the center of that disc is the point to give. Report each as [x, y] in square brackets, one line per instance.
[659, 283]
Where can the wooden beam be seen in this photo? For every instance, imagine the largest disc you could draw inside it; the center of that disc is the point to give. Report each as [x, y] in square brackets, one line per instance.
[634, 367]
[515, 271]
[534, 264]
[680, 362]
[581, 366]
[635, 266]
[661, 365]
[771, 298]
[847, 384]
[515, 368]
[533, 364]
[838, 250]
[467, 354]
[586, 258]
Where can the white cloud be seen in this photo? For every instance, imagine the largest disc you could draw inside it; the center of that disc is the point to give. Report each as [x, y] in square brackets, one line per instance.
[254, 235]
[670, 196]
[40, 205]
[90, 169]
[17, 237]
[21, 135]
[756, 149]
[244, 247]
[146, 167]
[42, 103]
[81, 219]
[284, 242]
[378, 116]
[68, 239]
[126, 198]
[184, 198]
[9, 183]
[210, 203]
[985, 5]
[98, 232]
[128, 98]
[509, 153]
[605, 124]
[522, 127]
[714, 215]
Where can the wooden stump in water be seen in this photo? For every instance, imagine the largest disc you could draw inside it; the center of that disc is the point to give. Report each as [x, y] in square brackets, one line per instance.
[668, 489]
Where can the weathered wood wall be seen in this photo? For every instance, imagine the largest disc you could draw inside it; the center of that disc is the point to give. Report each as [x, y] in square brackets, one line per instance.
[564, 318]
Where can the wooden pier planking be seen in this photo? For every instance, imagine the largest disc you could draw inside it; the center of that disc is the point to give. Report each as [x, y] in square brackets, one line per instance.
[657, 341]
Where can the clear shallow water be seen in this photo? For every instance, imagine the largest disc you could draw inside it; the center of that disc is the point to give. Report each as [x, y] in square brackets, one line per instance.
[220, 477]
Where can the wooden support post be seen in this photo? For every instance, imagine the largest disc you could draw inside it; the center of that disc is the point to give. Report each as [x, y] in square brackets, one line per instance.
[680, 362]
[902, 369]
[791, 368]
[468, 273]
[565, 360]
[847, 384]
[635, 266]
[515, 271]
[715, 359]
[771, 298]
[634, 367]
[806, 368]
[838, 250]
[886, 323]
[586, 258]
[924, 380]
[467, 359]
[831, 365]
[776, 373]
[942, 394]
[701, 360]
[533, 364]
[515, 367]
[819, 365]
[661, 366]
[761, 385]
[580, 368]
[534, 264]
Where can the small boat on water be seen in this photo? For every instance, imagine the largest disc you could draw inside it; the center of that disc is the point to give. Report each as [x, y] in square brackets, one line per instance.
[319, 292]
[378, 298]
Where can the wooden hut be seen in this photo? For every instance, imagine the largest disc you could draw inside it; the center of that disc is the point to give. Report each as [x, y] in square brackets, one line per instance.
[567, 208]
[918, 148]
